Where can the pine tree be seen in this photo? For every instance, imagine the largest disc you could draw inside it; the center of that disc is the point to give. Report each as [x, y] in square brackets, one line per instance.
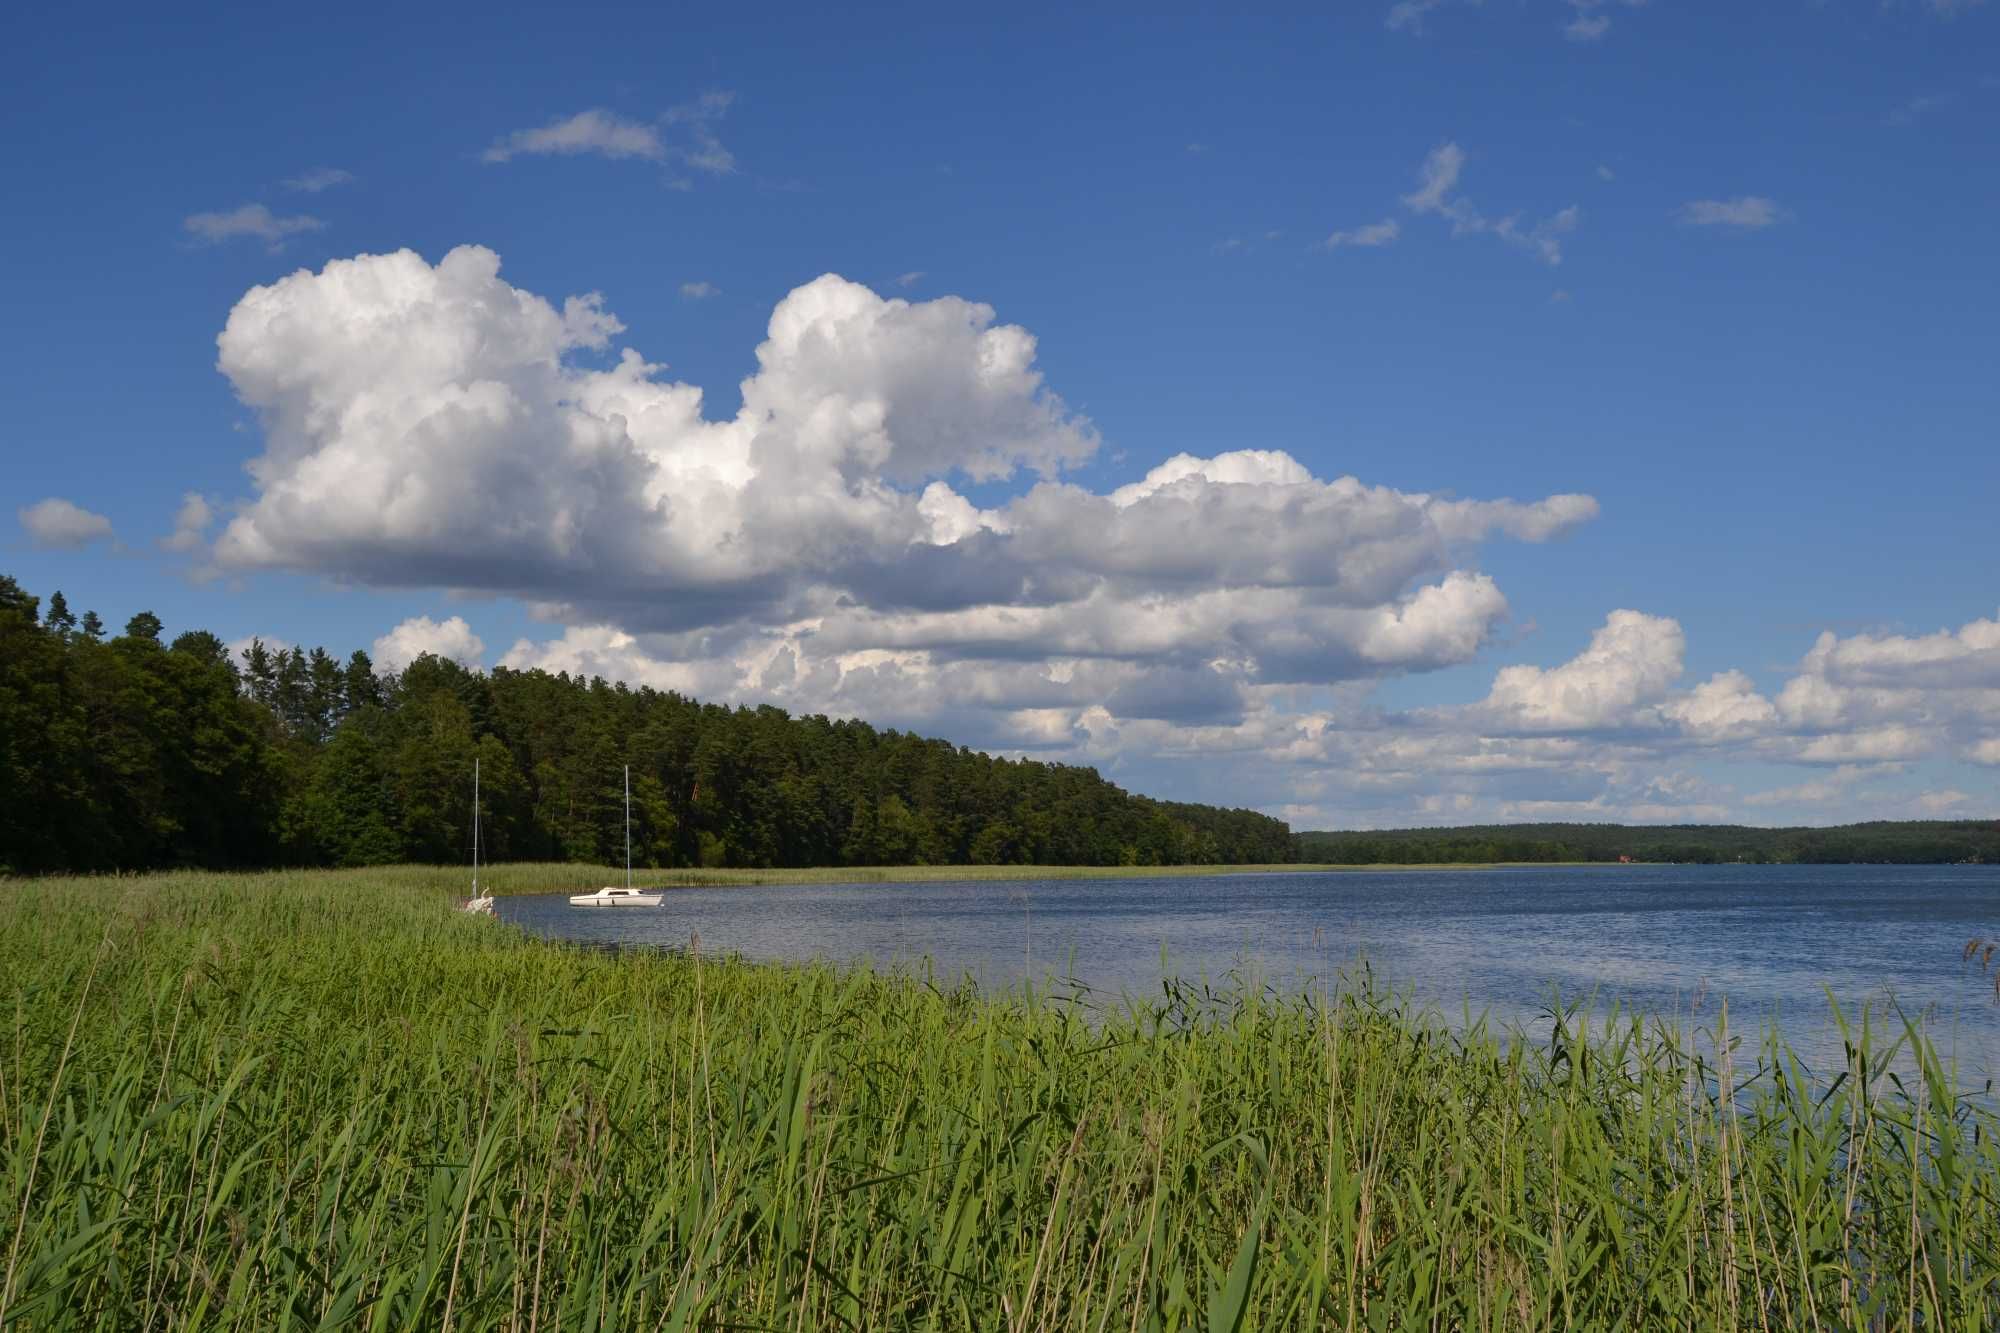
[145, 625]
[59, 619]
[361, 687]
[326, 693]
[259, 671]
[291, 696]
[93, 628]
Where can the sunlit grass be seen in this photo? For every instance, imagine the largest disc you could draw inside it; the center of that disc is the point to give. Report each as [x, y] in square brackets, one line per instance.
[327, 1100]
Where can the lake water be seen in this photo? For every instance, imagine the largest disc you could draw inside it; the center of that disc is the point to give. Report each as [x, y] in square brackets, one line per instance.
[1671, 940]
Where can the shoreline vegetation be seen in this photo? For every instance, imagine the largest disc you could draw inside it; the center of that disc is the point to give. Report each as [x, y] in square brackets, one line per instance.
[1884, 842]
[512, 878]
[135, 752]
[326, 1099]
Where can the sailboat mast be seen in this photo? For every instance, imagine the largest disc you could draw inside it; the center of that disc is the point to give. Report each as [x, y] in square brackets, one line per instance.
[628, 826]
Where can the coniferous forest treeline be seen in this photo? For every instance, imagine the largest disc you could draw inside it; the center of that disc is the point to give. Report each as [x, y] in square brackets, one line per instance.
[1883, 842]
[126, 752]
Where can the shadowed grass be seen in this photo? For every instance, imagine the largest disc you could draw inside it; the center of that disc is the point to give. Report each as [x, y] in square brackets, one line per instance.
[325, 1100]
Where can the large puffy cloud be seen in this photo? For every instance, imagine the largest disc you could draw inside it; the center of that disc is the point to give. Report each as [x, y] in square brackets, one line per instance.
[434, 425]
[1210, 629]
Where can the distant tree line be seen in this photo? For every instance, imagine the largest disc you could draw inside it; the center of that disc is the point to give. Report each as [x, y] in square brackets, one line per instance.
[1922, 842]
[129, 752]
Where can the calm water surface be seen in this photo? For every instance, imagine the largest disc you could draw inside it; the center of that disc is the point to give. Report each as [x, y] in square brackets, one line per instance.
[1671, 940]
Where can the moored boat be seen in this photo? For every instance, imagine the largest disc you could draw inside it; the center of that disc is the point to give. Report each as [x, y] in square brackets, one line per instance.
[610, 895]
[479, 904]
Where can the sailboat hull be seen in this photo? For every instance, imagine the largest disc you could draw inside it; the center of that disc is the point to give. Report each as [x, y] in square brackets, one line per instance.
[608, 897]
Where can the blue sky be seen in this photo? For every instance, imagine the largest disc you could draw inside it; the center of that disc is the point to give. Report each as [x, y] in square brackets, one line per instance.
[1730, 271]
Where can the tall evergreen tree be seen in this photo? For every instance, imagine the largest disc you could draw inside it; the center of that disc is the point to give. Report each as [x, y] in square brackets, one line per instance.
[60, 620]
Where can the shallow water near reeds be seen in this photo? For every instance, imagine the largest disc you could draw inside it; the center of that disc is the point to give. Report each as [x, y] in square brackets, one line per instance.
[1669, 941]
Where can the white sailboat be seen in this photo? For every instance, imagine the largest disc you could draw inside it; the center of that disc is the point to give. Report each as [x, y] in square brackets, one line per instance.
[610, 895]
[479, 903]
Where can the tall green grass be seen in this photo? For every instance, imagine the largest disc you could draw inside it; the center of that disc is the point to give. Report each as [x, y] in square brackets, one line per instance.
[324, 1101]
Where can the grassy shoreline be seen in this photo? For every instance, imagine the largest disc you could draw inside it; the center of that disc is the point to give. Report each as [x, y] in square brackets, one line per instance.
[327, 1100]
[521, 877]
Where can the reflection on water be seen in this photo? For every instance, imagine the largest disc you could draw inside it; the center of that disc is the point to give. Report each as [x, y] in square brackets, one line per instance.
[1668, 940]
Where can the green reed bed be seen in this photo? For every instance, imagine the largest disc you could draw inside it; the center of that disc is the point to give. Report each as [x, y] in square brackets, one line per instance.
[321, 1100]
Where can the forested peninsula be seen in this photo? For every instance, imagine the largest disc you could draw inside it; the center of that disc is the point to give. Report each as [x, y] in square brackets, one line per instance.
[129, 752]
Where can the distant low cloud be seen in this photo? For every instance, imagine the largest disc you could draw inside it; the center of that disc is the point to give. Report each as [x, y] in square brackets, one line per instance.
[452, 639]
[251, 220]
[1408, 15]
[597, 132]
[696, 120]
[191, 523]
[56, 524]
[1748, 212]
[1373, 234]
[1914, 110]
[699, 291]
[1246, 243]
[910, 279]
[319, 178]
[1589, 20]
[1437, 177]
[1605, 173]
[1436, 193]
[682, 136]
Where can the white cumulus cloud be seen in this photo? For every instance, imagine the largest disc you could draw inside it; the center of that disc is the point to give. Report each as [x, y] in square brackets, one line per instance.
[892, 526]
[432, 425]
[452, 639]
[1633, 660]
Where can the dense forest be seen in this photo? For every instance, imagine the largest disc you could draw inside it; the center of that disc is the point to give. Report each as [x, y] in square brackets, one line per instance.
[1912, 842]
[126, 752]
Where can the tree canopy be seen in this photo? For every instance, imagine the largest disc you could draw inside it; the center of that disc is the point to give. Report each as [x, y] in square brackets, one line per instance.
[131, 753]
